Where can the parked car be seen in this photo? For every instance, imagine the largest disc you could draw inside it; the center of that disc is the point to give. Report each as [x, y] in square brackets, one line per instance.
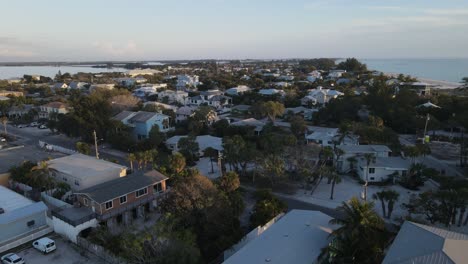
[42, 127]
[12, 258]
[2, 139]
[33, 124]
[44, 245]
[20, 126]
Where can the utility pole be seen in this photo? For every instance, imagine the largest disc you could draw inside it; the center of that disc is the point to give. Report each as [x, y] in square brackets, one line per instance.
[425, 129]
[95, 144]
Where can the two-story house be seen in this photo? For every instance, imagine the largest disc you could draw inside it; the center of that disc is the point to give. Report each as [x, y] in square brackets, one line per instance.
[344, 162]
[124, 198]
[52, 108]
[142, 122]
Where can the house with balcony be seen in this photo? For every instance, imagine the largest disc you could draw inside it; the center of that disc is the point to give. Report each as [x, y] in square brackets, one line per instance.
[382, 168]
[171, 96]
[142, 122]
[355, 152]
[320, 96]
[122, 199]
[52, 109]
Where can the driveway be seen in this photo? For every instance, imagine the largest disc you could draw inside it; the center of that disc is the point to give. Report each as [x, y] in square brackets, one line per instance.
[66, 253]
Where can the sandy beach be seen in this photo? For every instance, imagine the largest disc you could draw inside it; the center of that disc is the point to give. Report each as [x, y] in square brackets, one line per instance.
[437, 83]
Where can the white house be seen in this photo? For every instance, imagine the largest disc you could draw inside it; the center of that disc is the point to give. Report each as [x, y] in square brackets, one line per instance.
[136, 72]
[184, 112]
[46, 110]
[271, 91]
[180, 97]
[381, 169]
[77, 85]
[187, 81]
[238, 90]
[282, 84]
[320, 96]
[335, 74]
[356, 151]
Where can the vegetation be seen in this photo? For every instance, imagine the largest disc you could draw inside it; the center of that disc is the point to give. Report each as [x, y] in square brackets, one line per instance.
[266, 208]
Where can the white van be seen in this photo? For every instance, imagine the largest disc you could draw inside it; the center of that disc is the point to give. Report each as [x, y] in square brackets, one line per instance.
[44, 245]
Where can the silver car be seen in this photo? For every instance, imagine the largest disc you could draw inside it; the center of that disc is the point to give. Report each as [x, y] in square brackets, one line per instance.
[12, 258]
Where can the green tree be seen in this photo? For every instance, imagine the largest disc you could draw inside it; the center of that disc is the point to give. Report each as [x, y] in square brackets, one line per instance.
[229, 182]
[83, 148]
[370, 158]
[389, 196]
[156, 137]
[298, 126]
[335, 178]
[272, 109]
[266, 207]
[177, 163]
[41, 176]
[188, 146]
[352, 65]
[212, 154]
[361, 236]
[131, 158]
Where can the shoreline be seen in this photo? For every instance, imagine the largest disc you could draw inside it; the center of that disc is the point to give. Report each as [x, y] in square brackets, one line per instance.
[437, 83]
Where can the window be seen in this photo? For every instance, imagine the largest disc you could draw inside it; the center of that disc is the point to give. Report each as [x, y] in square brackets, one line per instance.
[141, 192]
[85, 201]
[123, 199]
[77, 183]
[31, 223]
[109, 205]
[372, 178]
[158, 187]
[371, 170]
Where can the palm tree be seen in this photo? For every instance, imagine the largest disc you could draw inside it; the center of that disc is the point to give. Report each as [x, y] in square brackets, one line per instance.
[131, 158]
[392, 197]
[41, 176]
[335, 179]
[381, 196]
[361, 236]
[4, 121]
[212, 154]
[369, 157]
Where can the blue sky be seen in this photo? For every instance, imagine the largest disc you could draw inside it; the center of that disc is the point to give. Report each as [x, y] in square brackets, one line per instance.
[32, 30]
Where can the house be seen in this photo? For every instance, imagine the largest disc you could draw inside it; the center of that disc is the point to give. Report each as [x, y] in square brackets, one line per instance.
[53, 108]
[335, 74]
[298, 237]
[320, 96]
[187, 81]
[180, 97]
[421, 88]
[83, 171]
[282, 84]
[106, 86]
[127, 82]
[204, 142]
[214, 98]
[343, 81]
[250, 122]
[240, 89]
[382, 169]
[323, 136]
[162, 106]
[142, 122]
[286, 78]
[421, 244]
[21, 220]
[59, 86]
[270, 92]
[77, 85]
[17, 111]
[184, 112]
[118, 199]
[241, 109]
[356, 151]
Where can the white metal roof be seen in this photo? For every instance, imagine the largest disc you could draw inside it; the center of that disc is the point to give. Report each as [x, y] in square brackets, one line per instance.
[10, 200]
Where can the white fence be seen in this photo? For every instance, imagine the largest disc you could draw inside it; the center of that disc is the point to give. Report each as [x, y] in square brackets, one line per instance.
[49, 200]
[251, 236]
[51, 147]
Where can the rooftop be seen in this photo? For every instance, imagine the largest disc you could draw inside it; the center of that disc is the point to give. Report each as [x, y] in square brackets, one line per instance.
[364, 148]
[389, 162]
[115, 188]
[10, 200]
[417, 243]
[297, 237]
[83, 166]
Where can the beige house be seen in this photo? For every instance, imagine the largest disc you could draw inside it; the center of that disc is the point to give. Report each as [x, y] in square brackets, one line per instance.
[51, 108]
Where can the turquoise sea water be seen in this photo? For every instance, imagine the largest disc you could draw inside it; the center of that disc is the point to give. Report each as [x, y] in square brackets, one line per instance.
[452, 70]
[7, 72]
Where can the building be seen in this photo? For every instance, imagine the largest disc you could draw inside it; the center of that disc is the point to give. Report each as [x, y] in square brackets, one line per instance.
[298, 237]
[335, 74]
[270, 92]
[238, 90]
[187, 81]
[77, 85]
[250, 122]
[320, 96]
[83, 171]
[323, 136]
[422, 244]
[180, 97]
[214, 98]
[383, 168]
[184, 112]
[421, 88]
[59, 86]
[204, 142]
[106, 86]
[52, 108]
[356, 151]
[118, 199]
[142, 122]
[20, 219]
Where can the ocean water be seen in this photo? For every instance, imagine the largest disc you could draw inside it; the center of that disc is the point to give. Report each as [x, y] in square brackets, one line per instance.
[7, 72]
[452, 70]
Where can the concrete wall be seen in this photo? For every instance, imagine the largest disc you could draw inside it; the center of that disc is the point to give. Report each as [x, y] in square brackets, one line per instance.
[380, 174]
[71, 232]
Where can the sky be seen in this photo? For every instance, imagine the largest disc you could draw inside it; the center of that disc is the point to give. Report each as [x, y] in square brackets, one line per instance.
[87, 30]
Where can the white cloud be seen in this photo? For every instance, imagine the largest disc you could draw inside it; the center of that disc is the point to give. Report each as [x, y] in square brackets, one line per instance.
[447, 12]
[109, 48]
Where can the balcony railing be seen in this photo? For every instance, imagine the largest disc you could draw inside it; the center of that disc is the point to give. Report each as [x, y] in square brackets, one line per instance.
[114, 212]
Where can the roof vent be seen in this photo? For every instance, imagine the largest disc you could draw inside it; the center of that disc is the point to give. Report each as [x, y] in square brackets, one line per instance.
[2, 211]
[268, 260]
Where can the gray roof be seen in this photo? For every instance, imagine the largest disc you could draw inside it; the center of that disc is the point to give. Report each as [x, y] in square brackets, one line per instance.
[142, 116]
[389, 162]
[422, 244]
[364, 148]
[123, 115]
[115, 188]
